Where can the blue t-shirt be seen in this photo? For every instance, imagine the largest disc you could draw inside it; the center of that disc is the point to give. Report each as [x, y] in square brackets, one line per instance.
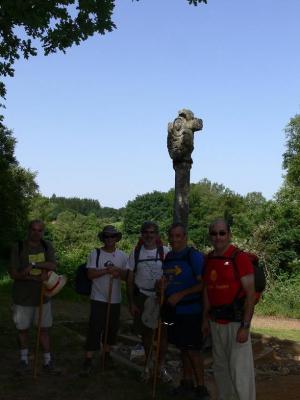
[181, 270]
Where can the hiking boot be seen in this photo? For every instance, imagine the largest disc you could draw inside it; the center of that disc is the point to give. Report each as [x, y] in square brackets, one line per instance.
[165, 376]
[23, 368]
[146, 375]
[184, 390]
[201, 393]
[51, 369]
[109, 362]
[86, 368]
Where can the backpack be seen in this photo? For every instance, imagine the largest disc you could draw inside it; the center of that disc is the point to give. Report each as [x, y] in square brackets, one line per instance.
[83, 285]
[21, 246]
[168, 312]
[186, 257]
[234, 311]
[160, 255]
[258, 269]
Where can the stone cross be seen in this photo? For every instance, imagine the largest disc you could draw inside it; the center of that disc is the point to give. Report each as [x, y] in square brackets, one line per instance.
[180, 147]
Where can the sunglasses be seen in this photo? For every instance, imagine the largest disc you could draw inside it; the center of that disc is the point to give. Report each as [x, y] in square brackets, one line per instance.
[110, 236]
[220, 233]
[149, 232]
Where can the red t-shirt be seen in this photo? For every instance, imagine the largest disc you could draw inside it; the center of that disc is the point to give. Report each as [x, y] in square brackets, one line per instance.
[222, 278]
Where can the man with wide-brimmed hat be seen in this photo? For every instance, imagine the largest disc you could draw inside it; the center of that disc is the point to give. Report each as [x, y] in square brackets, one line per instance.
[32, 260]
[106, 275]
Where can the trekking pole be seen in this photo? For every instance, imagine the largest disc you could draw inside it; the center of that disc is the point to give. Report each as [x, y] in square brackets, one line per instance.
[37, 346]
[149, 356]
[161, 300]
[107, 320]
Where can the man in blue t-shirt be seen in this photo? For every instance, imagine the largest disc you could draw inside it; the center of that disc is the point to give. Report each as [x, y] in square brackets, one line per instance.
[182, 309]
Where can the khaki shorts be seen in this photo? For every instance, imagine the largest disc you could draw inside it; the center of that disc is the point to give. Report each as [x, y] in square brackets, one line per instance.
[24, 316]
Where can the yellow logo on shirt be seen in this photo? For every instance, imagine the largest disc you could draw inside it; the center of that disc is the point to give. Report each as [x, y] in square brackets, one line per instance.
[174, 271]
[213, 275]
[39, 257]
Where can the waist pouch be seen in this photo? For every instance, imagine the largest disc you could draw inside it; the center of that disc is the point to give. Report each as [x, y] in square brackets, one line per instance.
[233, 312]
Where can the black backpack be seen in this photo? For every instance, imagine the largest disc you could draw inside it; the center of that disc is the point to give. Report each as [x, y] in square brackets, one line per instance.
[83, 285]
[160, 255]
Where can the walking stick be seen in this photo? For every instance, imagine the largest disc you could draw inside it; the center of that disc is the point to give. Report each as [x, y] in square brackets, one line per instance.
[37, 346]
[161, 300]
[107, 320]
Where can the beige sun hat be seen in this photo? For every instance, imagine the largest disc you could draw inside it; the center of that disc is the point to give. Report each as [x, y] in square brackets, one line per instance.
[109, 230]
[54, 283]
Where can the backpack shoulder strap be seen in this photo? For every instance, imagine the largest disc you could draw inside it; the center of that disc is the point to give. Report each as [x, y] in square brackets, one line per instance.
[98, 256]
[20, 246]
[44, 244]
[160, 252]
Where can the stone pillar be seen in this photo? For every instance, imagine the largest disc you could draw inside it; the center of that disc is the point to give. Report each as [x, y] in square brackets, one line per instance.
[180, 147]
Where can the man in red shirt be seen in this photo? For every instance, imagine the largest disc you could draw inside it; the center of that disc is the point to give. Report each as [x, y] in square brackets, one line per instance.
[229, 299]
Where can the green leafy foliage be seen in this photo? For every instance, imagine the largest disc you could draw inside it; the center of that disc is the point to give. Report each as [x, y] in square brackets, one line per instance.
[291, 157]
[17, 187]
[155, 206]
[56, 25]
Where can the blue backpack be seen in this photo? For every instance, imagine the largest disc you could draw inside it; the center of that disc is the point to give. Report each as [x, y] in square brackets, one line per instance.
[83, 285]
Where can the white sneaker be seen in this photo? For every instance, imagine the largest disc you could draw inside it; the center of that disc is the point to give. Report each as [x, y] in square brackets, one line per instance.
[165, 376]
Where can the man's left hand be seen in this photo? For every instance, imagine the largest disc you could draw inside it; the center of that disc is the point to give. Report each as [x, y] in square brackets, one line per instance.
[242, 335]
[175, 298]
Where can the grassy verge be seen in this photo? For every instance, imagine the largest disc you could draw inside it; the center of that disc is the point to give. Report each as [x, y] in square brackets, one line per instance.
[283, 334]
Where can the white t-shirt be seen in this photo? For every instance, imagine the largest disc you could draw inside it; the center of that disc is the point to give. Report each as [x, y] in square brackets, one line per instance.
[148, 270]
[100, 286]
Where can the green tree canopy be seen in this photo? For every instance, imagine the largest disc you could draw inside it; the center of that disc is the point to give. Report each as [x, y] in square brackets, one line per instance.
[17, 186]
[291, 157]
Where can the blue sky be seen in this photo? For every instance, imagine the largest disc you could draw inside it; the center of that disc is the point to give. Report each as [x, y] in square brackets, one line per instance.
[93, 122]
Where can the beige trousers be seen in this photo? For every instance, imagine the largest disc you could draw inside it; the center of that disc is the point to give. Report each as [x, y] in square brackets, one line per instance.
[233, 363]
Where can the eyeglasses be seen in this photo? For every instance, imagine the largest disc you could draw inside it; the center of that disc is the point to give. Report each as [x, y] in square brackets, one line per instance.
[149, 232]
[220, 233]
[114, 236]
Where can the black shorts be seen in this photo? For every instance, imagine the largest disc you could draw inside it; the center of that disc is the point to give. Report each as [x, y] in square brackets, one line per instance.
[185, 332]
[97, 324]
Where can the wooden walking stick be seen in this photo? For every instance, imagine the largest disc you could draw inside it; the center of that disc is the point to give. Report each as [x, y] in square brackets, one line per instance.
[37, 346]
[161, 300]
[107, 320]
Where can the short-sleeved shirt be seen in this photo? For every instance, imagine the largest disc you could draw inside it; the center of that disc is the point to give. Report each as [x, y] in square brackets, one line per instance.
[27, 292]
[100, 286]
[182, 270]
[148, 269]
[222, 277]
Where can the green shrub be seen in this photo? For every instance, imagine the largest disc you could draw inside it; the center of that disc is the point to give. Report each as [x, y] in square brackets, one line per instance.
[281, 298]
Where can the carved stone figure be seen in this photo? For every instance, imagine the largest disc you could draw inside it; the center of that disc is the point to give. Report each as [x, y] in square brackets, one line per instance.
[181, 136]
[180, 147]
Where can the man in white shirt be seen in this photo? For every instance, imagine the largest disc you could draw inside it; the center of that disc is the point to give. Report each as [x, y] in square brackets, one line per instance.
[145, 269]
[111, 265]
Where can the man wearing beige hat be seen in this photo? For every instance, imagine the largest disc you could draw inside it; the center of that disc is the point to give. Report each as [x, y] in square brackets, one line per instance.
[105, 269]
[31, 261]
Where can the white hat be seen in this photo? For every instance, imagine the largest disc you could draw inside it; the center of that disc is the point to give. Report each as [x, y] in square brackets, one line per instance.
[54, 283]
[151, 312]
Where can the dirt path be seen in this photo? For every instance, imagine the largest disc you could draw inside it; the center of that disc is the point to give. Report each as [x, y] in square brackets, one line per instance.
[275, 323]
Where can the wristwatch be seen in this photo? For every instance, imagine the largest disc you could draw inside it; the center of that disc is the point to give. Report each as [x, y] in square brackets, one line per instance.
[245, 324]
